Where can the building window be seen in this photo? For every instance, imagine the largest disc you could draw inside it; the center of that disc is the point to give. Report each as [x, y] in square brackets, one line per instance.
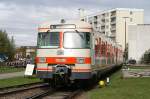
[107, 20]
[82, 19]
[131, 12]
[103, 20]
[103, 14]
[113, 19]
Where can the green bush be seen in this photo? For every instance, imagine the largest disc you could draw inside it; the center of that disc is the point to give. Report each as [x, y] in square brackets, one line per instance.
[7, 46]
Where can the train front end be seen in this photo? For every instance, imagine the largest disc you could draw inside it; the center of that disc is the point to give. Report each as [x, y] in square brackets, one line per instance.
[64, 52]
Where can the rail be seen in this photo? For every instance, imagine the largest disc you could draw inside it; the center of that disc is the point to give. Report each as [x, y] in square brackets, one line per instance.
[54, 94]
[21, 88]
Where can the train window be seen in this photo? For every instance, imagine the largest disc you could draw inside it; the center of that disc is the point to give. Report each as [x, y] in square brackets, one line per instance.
[48, 40]
[77, 40]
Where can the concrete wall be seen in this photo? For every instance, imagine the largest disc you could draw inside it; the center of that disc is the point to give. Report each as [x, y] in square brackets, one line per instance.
[137, 17]
[139, 40]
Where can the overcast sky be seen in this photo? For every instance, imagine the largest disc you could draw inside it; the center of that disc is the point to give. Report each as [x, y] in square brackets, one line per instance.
[20, 18]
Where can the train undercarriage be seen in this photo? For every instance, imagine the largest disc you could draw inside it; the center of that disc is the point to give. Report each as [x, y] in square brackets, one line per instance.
[62, 76]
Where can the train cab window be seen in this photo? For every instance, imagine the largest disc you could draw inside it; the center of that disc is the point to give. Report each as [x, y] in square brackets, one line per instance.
[77, 40]
[48, 40]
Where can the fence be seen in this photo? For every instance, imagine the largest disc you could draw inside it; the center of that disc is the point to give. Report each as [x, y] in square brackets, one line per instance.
[14, 66]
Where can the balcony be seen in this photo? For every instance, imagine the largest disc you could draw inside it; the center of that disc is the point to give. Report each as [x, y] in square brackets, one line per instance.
[82, 20]
[113, 32]
[113, 14]
[95, 18]
[90, 22]
[113, 19]
[112, 35]
[103, 20]
[103, 32]
[103, 15]
[103, 27]
[113, 27]
[95, 24]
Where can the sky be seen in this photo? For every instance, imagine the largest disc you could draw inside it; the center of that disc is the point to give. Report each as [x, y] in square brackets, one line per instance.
[20, 18]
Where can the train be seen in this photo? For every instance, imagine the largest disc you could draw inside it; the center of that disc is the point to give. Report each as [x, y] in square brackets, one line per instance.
[73, 51]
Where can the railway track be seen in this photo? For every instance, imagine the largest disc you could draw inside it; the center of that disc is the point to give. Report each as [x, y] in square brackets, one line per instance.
[20, 86]
[41, 91]
[21, 92]
[36, 91]
[56, 94]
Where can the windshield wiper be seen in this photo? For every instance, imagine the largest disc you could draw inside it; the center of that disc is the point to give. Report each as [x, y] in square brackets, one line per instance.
[81, 35]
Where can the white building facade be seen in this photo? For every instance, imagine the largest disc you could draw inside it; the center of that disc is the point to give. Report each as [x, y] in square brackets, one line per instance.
[112, 24]
[139, 41]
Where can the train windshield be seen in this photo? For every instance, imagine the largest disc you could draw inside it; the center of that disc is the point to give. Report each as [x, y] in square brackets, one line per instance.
[76, 40]
[48, 40]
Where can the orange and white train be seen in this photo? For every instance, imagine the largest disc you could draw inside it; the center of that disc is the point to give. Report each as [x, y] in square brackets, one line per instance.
[72, 51]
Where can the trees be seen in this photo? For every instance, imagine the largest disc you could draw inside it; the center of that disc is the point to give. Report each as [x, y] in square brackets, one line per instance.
[146, 57]
[7, 46]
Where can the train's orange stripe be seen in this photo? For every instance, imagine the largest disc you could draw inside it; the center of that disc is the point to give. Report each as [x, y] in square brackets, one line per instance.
[88, 60]
[64, 60]
[61, 38]
[46, 69]
[61, 60]
[73, 70]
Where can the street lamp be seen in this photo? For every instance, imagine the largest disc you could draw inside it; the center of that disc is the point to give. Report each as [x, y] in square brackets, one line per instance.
[125, 49]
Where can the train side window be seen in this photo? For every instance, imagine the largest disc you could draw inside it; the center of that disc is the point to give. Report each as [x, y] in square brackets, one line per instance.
[88, 39]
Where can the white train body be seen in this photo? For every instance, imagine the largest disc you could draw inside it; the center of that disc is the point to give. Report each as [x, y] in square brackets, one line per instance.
[74, 51]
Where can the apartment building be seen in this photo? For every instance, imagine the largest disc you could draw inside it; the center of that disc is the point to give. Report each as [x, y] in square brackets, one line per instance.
[112, 22]
[139, 41]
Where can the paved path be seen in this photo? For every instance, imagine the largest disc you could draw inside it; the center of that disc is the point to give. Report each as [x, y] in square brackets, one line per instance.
[11, 75]
[129, 73]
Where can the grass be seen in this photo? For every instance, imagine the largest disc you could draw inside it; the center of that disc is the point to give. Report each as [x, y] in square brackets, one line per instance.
[18, 81]
[131, 88]
[6, 69]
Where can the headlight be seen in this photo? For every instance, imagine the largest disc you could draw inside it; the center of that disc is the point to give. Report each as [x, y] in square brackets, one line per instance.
[42, 59]
[80, 60]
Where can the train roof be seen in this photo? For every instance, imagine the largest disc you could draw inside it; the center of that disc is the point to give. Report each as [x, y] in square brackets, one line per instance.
[76, 23]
